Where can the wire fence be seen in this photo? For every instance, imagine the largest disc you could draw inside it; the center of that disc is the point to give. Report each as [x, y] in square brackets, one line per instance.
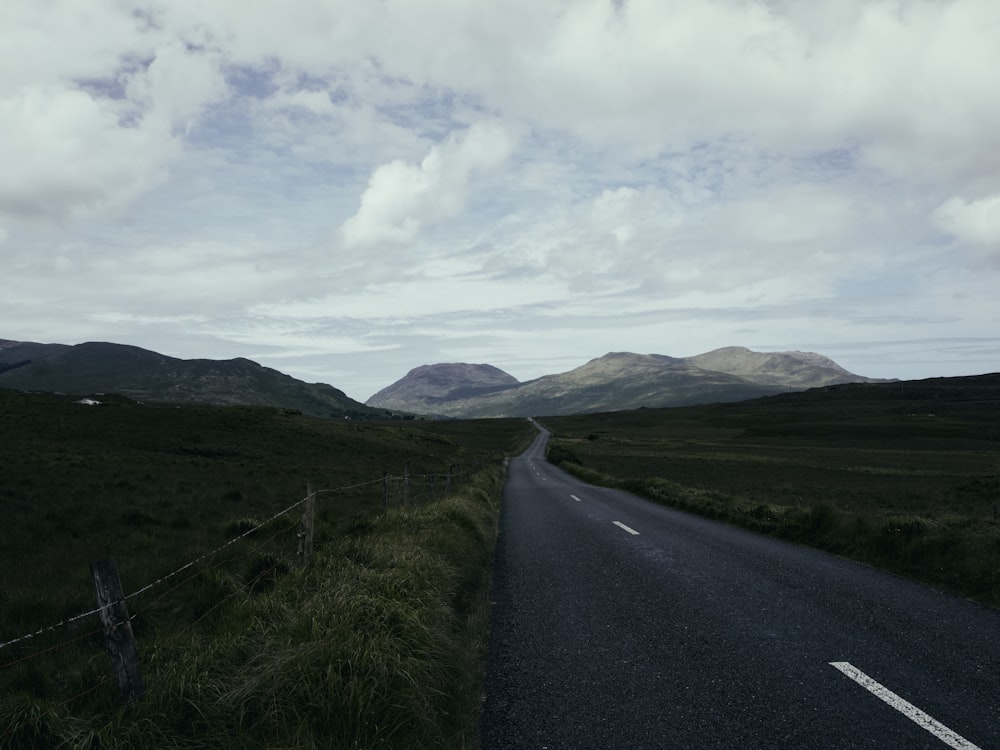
[389, 490]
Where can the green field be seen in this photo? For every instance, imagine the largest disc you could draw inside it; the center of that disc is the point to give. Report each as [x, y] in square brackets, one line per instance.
[901, 475]
[158, 487]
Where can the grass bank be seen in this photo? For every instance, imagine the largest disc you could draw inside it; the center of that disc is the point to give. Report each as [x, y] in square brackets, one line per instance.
[378, 644]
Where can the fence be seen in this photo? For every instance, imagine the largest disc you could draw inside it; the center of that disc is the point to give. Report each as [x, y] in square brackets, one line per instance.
[111, 622]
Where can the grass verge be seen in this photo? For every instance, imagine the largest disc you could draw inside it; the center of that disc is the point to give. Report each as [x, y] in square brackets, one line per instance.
[378, 644]
[951, 552]
[902, 476]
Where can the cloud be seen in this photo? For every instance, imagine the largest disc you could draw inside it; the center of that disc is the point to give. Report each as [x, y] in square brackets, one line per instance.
[76, 147]
[611, 211]
[657, 175]
[974, 221]
[171, 91]
[65, 152]
[801, 214]
[401, 198]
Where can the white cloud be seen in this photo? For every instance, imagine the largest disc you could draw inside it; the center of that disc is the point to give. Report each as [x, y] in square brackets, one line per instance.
[66, 41]
[65, 152]
[406, 300]
[74, 146]
[315, 102]
[807, 215]
[402, 197]
[173, 89]
[611, 211]
[975, 221]
[659, 175]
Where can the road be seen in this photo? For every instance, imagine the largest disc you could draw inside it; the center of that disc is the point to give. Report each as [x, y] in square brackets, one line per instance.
[619, 623]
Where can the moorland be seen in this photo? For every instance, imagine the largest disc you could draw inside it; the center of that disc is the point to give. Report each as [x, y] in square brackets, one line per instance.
[379, 640]
[376, 643]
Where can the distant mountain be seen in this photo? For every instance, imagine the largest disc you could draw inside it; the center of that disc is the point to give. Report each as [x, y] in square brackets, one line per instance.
[616, 381]
[783, 369]
[98, 367]
[440, 384]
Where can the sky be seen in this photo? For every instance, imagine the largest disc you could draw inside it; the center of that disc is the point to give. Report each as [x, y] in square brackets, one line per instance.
[346, 190]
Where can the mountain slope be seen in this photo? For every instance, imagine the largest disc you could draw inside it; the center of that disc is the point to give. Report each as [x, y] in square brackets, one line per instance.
[99, 367]
[14, 354]
[429, 385]
[617, 381]
[786, 369]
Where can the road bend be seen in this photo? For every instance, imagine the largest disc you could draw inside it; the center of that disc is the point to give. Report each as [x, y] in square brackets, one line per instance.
[619, 623]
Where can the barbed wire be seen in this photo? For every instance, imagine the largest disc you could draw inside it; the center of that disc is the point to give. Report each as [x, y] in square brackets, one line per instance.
[409, 483]
[164, 578]
[50, 628]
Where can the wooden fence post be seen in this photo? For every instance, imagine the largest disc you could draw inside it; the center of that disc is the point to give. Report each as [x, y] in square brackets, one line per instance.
[406, 484]
[447, 483]
[118, 634]
[385, 490]
[308, 526]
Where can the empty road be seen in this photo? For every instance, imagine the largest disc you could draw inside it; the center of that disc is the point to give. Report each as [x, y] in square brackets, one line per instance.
[619, 623]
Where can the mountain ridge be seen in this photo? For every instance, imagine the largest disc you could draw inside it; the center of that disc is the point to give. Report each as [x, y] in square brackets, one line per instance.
[616, 381]
[613, 382]
[144, 375]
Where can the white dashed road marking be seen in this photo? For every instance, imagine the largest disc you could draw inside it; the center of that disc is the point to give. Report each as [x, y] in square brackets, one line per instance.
[911, 712]
[620, 525]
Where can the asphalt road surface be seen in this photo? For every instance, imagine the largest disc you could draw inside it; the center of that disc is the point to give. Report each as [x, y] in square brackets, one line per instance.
[618, 623]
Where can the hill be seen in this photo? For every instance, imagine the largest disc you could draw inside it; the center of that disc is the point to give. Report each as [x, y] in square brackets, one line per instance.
[100, 367]
[439, 384]
[616, 381]
[784, 369]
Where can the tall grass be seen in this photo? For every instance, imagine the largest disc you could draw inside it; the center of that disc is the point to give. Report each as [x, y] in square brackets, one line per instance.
[378, 644]
[157, 487]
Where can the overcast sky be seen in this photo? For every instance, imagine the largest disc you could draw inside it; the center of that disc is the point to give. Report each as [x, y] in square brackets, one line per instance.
[346, 190]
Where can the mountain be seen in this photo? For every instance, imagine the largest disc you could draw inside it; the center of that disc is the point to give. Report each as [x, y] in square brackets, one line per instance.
[439, 384]
[616, 381]
[14, 354]
[99, 367]
[784, 369]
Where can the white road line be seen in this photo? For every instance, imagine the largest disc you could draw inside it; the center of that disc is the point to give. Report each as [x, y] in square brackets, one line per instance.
[939, 730]
[620, 525]
[575, 498]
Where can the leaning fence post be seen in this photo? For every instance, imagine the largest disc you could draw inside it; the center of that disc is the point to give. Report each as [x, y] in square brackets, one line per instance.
[385, 490]
[308, 525]
[406, 484]
[118, 634]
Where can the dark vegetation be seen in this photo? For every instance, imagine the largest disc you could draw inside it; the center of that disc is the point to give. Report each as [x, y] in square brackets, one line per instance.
[376, 644]
[905, 476]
